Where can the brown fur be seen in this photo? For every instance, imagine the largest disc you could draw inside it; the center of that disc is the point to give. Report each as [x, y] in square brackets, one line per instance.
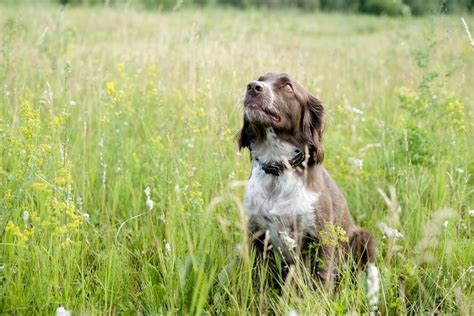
[297, 117]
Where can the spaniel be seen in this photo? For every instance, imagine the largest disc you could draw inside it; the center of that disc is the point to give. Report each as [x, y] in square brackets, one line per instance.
[292, 202]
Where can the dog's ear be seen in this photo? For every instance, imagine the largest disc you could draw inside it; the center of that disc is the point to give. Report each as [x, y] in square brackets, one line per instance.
[246, 135]
[312, 128]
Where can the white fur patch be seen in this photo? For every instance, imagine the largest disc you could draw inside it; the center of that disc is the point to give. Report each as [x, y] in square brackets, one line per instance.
[373, 287]
[284, 199]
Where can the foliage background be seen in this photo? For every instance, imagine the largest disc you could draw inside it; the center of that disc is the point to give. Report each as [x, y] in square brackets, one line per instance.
[387, 7]
[97, 104]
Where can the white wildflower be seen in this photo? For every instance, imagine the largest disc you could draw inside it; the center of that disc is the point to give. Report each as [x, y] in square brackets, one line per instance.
[149, 201]
[471, 213]
[104, 174]
[85, 216]
[177, 189]
[289, 242]
[101, 144]
[167, 247]
[357, 111]
[445, 224]
[61, 311]
[238, 249]
[292, 312]
[79, 210]
[373, 286]
[72, 103]
[389, 231]
[150, 204]
[26, 217]
[459, 170]
[68, 199]
[102, 163]
[7, 92]
[356, 163]
[190, 142]
[79, 203]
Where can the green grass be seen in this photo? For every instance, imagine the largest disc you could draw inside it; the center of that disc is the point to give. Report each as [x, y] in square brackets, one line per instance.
[98, 104]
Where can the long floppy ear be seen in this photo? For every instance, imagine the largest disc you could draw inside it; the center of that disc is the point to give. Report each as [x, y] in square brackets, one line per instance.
[246, 135]
[312, 128]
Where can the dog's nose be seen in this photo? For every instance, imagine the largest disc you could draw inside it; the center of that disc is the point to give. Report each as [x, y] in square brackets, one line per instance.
[254, 88]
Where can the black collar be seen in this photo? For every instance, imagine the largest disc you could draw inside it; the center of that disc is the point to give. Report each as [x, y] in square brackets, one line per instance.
[276, 167]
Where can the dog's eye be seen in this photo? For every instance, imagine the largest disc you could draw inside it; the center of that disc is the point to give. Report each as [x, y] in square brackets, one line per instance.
[288, 87]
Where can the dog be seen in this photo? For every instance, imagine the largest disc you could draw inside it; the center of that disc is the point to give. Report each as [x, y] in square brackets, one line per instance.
[291, 201]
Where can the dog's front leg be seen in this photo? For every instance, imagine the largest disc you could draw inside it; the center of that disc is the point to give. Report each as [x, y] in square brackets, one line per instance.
[325, 268]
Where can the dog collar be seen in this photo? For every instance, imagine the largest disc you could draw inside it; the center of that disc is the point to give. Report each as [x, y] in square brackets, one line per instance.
[276, 167]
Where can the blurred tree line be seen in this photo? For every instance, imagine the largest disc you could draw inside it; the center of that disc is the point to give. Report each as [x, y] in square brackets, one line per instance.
[379, 7]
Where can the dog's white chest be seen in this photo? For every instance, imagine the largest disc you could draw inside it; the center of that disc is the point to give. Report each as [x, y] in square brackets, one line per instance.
[284, 199]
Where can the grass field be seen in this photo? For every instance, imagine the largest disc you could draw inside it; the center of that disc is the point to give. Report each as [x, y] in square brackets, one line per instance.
[97, 105]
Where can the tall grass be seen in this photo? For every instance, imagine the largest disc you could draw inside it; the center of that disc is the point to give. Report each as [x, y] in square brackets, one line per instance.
[99, 105]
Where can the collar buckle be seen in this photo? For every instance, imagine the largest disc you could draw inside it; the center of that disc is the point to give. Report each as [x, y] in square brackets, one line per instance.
[276, 168]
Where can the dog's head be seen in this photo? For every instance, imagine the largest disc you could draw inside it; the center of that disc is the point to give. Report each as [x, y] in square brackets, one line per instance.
[277, 101]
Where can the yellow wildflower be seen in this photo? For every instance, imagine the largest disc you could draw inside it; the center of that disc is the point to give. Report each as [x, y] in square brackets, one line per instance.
[30, 119]
[56, 123]
[121, 70]
[333, 235]
[204, 129]
[8, 197]
[64, 176]
[39, 186]
[22, 236]
[45, 148]
[196, 194]
[226, 132]
[60, 230]
[151, 71]
[201, 112]
[12, 228]
[110, 87]
[341, 109]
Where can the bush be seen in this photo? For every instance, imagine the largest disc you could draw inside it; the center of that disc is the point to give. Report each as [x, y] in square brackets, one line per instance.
[81, 2]
[378, 7]
[159, 4]
[419, 7]
[386, 7]
[302, 4]
[339, 5]
[236, 3]
[452, 6]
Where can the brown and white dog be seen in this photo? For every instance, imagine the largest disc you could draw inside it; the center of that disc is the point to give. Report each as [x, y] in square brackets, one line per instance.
[290, 197]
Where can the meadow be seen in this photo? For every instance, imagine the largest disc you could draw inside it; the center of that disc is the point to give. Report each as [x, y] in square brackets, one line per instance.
[121, 182]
